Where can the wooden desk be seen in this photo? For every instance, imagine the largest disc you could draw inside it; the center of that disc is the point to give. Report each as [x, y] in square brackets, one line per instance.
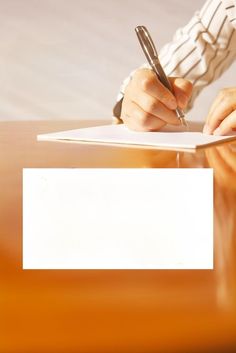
[112, 311]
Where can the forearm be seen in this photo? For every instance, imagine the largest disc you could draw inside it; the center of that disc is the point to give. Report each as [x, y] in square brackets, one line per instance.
[204, 48]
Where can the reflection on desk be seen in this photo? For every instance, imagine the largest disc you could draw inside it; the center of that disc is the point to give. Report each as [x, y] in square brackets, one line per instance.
[118, 311]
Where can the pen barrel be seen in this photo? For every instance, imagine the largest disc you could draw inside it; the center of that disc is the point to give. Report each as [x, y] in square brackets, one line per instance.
[157, 68]
[150, 52]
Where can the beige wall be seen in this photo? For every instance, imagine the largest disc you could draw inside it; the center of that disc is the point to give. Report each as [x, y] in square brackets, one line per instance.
[65, 59]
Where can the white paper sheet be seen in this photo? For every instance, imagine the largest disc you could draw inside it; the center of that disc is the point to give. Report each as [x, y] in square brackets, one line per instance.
[169, 137]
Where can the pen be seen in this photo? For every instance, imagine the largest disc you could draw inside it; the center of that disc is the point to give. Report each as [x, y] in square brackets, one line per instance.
[153, 60]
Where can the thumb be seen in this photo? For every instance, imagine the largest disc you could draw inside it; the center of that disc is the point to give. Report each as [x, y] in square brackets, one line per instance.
[182, 90]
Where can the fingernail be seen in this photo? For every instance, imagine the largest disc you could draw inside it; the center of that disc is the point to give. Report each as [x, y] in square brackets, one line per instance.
[180, 82]
[217, 132]
[206, 130]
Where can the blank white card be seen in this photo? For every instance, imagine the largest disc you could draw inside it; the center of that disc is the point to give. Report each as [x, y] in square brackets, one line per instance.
[117, 218]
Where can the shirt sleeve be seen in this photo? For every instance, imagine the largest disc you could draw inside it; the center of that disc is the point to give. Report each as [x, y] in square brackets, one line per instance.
[201, 51]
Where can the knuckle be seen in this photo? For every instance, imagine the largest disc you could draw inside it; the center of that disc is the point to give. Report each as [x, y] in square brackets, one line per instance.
[151, 105]
[140, 74]
[137, 73]
[164, 97]
[144, 118]
[145, 83]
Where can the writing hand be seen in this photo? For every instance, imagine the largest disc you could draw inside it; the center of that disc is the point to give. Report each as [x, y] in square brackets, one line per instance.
[148, 105]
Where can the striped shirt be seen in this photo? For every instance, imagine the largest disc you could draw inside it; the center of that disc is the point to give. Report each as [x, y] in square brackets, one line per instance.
[201, 51]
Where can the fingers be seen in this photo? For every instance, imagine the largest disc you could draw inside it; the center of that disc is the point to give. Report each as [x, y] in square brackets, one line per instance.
[218, 112]
[146, 81]
[139, 120]
[221, 117]
[148, 105]
[182, 91]
[156, 108]
[227, 125]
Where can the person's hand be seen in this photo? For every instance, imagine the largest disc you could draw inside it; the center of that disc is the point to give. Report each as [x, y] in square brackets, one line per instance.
[148, 105]
[221, 119]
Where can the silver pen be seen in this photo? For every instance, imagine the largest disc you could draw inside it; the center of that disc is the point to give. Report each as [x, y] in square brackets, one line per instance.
[153, 60]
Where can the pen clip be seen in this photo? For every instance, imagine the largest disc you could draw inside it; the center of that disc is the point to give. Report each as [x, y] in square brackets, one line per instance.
[147, 44]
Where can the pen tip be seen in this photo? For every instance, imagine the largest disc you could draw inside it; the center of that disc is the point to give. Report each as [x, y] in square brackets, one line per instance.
[184, 122]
